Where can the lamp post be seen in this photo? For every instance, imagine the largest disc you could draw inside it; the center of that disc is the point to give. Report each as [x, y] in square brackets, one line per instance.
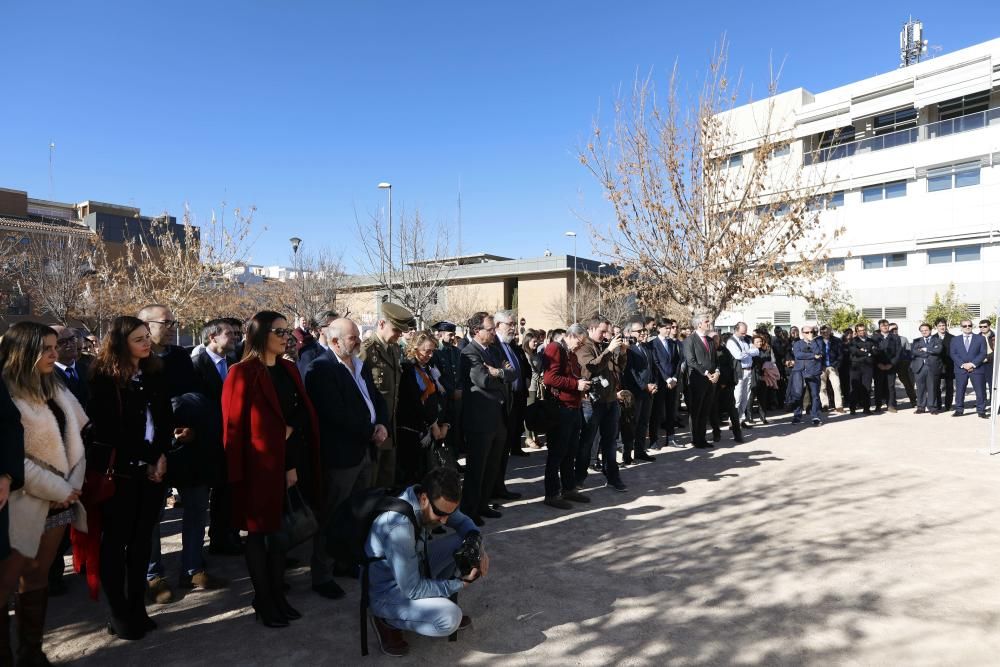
[388, 188]
[600, 292]
[573, 236]
[296, 242]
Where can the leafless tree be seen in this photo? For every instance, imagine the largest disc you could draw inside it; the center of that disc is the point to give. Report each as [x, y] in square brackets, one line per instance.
[415, 269]
[319, 278]
[695, 226]
[54, 270]
[593, 297]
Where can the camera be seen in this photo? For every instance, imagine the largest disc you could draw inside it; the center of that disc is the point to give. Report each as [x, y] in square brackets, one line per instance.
[597, 384]
[469, 553]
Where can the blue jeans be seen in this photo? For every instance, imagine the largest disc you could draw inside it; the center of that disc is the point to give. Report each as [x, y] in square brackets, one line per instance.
[431, 617]
[195, 518]
[812, 386]
[602, 424]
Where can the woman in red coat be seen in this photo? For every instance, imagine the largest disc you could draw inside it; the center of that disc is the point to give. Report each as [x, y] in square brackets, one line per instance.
[269, 428]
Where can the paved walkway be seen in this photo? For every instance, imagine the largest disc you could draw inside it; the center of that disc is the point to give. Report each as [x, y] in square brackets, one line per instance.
[868, 541]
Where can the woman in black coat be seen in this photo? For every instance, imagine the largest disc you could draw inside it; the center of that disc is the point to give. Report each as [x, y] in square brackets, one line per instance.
[421, 420]
[130, 412]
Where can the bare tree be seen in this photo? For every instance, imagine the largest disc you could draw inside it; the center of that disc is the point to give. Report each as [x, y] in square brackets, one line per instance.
[54, 270]
[319, 279]
[593, 297]
[415, 269]
[702, 221]
[183, 266]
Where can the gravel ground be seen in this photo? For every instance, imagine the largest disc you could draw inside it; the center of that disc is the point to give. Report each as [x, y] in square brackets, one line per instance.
[867, 541]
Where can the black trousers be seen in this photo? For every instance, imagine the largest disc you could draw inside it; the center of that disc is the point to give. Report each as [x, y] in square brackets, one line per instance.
[701, 402]
[515, 429]
[635, 430]
[947, 378]
[725, 404]
[562, 442]
[663, 412]
[484, 454]
[885, 387]
[926, 384]
[220, 515]
[861, 386]
[129, 518]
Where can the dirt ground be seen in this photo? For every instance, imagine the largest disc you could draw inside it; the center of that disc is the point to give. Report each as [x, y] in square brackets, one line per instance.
[867, 541]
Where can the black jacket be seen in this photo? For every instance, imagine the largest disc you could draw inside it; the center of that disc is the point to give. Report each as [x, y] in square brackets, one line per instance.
[485, 399]
[118, 415]
[11, 457]
[78, 387]
[862, 352]
[345, 428]
[178, 371]
[640, 368]
[309, 352]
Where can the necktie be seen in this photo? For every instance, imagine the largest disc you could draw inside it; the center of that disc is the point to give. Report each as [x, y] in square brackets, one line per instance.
[223, 371]
[512, 358]
[71, 373]
[967, 339]
[704, 341]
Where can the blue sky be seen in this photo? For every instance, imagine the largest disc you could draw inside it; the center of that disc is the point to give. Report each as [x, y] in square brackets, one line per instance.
[301, 108]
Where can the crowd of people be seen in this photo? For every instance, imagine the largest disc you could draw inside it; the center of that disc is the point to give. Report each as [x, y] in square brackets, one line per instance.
[269, 414]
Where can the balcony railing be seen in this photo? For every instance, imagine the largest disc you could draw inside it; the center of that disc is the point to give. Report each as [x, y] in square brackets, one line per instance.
[942, 128]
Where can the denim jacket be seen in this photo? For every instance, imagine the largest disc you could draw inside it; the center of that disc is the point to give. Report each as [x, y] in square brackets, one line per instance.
[403, 571]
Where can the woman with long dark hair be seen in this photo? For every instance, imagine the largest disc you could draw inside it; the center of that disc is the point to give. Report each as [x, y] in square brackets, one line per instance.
[132, 429]
[54, 465]
[269, 427]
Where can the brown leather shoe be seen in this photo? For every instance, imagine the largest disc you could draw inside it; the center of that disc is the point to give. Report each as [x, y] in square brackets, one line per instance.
[203, 581]
[390, 640]
[159, 591]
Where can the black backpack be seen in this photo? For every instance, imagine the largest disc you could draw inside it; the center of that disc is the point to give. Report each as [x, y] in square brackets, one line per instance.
[347, 534]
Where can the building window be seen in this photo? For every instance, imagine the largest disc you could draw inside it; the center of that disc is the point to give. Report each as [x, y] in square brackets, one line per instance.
[835, 264]
[873, 261]
[735, 160]
[881, 191]
[974, 309]
[894, 121]
[782, 317]
[956, 176]
[968, 253]
[871, 313]
[809, 315]
[836, 199]
[895, 260]
[962, 106]
[895, 313]
[781, 151]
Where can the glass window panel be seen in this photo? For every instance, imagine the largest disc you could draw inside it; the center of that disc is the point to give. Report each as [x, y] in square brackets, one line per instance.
[895, 260]
[939, 256]
[873, 261]
[836, 199]
[736, 160]
[873, 193]
[938, 182]
[966, 178]
[894, 190]
[969, 253]
[781, 151]
[835, 264]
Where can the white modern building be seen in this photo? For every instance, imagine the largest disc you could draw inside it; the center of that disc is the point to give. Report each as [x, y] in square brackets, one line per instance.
[912, 161]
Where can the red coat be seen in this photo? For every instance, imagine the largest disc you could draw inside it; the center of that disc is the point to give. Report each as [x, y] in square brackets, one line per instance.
[254, 439]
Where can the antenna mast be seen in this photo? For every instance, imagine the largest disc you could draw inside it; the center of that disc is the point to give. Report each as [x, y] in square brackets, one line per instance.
[912, 45]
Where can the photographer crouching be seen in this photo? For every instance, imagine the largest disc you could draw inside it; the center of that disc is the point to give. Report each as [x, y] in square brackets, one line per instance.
[411, 587]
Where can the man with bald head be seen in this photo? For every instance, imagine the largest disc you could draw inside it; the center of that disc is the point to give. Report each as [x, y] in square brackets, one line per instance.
[69, 365]
[352, 422]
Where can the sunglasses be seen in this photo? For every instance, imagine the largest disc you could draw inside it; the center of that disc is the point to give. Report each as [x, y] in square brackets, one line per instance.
[966, 326]
[287, 331]
[170, 324]
[984, 326]
[438, 512]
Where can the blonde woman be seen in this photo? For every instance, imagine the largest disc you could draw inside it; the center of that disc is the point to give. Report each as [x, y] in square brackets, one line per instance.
[54, 466]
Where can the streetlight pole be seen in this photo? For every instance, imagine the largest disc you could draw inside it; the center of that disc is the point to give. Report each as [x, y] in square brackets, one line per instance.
[600, 292]
[296, 242]
[573, 236]
[388, 188]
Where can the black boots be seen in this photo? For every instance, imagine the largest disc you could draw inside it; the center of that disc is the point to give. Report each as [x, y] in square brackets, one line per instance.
[265, 602]
[31, 607]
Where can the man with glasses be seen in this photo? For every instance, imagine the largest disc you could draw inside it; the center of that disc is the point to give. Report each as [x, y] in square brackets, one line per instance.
[991, 346]
[69, 365]
[807, 352]
[639, 378]
[667, 358]
[832, 352]
[740, 347]
[412, 576]
[862, 350]
[509, 351]
[968, 354]
[903, 365]
[888, 349]
[947, 365]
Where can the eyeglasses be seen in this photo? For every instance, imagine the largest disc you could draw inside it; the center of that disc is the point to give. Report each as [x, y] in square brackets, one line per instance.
[966, 326]
[66, 342]
[807, 331]
[984, 326]
[438, 512]
[170, 324]
[287, 331]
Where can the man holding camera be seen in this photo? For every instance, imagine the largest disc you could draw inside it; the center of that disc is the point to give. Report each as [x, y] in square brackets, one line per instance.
[411, 587]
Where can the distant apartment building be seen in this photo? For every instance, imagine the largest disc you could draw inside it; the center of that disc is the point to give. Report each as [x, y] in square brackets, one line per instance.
[911, 163]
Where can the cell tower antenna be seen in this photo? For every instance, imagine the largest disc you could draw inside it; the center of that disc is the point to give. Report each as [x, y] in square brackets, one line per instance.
[459, 216]
[52, 187]
[912, 45]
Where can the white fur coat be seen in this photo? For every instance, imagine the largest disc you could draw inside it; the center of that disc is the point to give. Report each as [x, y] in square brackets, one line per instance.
[53, 467]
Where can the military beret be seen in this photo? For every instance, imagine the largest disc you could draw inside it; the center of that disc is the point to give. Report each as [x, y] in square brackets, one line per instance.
[443, 326]
[398, 316]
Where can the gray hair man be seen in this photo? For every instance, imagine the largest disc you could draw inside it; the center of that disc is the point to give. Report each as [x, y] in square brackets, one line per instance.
[741, 347]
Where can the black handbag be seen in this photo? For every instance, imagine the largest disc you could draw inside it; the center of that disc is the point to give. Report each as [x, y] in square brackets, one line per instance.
[298, 521]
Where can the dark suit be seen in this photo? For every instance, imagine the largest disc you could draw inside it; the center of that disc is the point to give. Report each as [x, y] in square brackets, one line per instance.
[805, 354]
[484, 414]
[209, 383]
[77, 384]
[889, 350]
[514, 422]
[975, 354]
[701, 360]
[310, 351]
[448, 359]
[926, 369]
[345, 438]
[667, 359]
[11, 458]
[862, 351]
[640, 371]
[947, 373]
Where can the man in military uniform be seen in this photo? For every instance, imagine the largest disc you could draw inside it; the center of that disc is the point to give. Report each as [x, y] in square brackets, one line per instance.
[448, 359]
[381, 354]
